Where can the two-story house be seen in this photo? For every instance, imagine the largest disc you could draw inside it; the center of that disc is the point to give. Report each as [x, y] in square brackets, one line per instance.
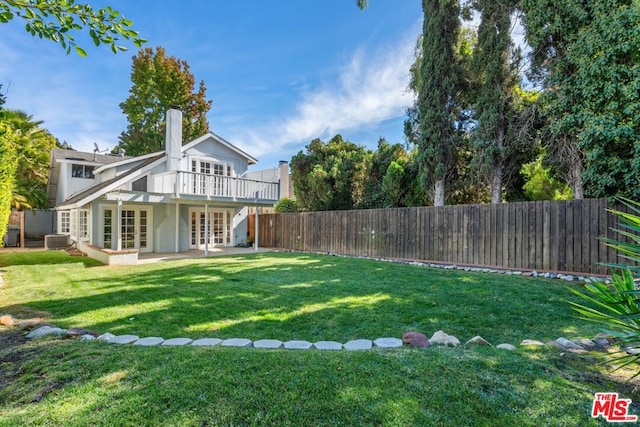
[191, 196]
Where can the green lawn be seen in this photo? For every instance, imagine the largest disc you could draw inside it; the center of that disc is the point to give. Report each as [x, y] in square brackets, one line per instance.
[290, 296]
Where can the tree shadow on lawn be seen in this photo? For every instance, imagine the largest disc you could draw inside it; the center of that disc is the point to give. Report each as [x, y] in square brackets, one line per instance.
[318, 299]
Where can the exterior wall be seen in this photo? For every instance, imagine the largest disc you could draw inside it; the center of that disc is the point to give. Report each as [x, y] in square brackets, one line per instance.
[214, 150]
[73, 185]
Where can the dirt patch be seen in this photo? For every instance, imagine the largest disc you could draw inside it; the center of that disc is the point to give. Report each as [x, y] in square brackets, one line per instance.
[13, 353]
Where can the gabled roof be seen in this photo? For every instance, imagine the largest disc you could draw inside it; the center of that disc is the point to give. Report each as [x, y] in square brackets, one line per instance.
[126, 160]
[251, 160]
[98, 190]
[71, 155]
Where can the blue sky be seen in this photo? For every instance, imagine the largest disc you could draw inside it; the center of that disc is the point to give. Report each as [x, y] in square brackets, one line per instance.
[280, 72]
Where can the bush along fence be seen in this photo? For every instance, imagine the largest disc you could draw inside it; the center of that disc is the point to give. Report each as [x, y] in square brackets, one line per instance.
[545, 236]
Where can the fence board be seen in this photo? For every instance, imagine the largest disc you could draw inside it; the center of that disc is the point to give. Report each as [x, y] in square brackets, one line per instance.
[557, 236]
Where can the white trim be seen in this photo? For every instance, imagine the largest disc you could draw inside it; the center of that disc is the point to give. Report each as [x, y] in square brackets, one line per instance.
[126, 161]
[208, 135]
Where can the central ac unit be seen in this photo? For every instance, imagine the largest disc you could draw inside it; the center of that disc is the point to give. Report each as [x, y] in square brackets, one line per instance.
[56, 241]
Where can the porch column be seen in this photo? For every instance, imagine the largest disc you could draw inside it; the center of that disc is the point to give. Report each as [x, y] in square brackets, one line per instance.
[206, 230]
[177, 229]
[77, 230]
[255, 227]
[119, 226]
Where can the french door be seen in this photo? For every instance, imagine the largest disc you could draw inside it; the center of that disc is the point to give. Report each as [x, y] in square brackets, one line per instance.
[135, 228]
[207, 178]
[218, 229]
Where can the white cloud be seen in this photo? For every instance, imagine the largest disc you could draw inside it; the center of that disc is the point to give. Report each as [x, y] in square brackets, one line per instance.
[369, 89]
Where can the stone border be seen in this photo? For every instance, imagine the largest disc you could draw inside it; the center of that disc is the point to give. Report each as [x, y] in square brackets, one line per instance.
[409, 339]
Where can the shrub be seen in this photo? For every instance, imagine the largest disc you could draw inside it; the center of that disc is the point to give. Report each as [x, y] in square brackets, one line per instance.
[618, 306]
[286, 205]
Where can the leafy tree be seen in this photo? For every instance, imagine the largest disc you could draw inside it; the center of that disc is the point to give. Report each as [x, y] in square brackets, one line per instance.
[286, 205]
[160, 81]
[494, 106]
[56, 20]
[32, 146]
[3, 98]
[606, 85]
[540, 184]
[329, 176]
[392, 178]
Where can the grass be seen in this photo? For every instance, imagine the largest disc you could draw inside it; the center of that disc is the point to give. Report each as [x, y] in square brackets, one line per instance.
[290, 296]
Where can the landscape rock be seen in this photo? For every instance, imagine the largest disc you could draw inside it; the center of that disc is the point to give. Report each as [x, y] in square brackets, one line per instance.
[236, 342]
[415, 339]
[530, 343]
[633, 351]
[328, 345]
[124, 339]
[207, 342]
[568, 344]
[86, 337]
[269, 344]
[358, 345]
[601, 342]
[585, 343]
[477, 340]
[76, 332]
[106, 337]
[7, 320]
[44, 331]
[177, 341]
[506, 346]
[554, 344]
[442, 338]
[149, 341]
[297, 345]
[388, 342]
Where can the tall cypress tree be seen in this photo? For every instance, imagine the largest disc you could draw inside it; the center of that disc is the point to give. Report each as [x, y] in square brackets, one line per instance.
[494, 105]
[438, 94]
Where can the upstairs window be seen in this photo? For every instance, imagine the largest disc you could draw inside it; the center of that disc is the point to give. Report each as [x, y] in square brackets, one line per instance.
[82, 171]
[139, 184]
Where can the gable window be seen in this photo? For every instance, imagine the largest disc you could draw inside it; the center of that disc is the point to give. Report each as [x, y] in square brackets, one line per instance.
[82, 171]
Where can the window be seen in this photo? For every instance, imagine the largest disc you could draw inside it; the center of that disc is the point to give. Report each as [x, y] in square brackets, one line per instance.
[139, 184]
[107, 230]
[64, 222]
[82, 171]
[83, 225]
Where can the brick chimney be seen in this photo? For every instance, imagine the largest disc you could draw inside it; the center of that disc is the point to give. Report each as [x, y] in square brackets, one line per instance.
[173, 142]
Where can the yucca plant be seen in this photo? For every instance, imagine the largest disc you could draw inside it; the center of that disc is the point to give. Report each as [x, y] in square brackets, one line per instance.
[617, 306]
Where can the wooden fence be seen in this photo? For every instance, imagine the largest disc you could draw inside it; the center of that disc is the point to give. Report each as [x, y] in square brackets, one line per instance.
[549, 236]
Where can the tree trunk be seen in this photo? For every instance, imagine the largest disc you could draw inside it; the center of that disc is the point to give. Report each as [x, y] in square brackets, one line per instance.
[438, 193]
[575, 181]
[496, 185]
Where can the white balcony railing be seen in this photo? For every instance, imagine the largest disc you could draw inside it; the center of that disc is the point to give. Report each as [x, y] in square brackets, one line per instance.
[198, 184]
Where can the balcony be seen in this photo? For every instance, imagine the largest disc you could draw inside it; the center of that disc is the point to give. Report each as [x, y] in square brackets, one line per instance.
[215, 187]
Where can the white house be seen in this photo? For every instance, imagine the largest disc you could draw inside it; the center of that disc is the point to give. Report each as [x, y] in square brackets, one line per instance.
[192, 196]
